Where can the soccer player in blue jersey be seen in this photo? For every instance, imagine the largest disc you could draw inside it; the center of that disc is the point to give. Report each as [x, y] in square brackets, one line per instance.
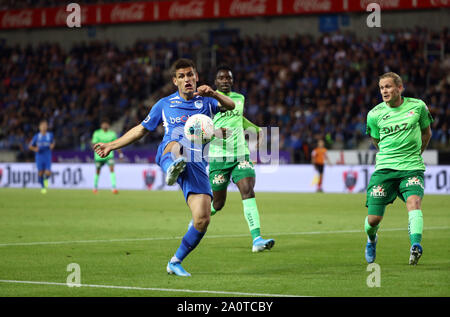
[42, 144]
[175, 152]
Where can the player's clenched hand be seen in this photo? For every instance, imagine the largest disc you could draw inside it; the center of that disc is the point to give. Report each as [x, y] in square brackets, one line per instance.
[102, 149]
[205, 91]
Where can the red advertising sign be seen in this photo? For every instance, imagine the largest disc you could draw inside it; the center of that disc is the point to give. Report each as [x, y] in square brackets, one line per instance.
[135, 12]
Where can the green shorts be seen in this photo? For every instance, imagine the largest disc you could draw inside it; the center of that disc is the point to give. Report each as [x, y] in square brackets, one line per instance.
[220, 172]
[386, 184]
[100, 163]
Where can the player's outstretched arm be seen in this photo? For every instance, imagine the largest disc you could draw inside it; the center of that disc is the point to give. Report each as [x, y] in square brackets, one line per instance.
[426, 136]
[226, 103]
[134, 134]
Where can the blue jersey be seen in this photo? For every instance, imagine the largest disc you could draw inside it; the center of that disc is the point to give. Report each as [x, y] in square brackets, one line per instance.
[43, 142]
[173, 111]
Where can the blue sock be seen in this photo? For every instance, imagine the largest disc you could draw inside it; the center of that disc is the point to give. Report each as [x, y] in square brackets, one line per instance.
[166, 160]
[41, 181]
[190, 240]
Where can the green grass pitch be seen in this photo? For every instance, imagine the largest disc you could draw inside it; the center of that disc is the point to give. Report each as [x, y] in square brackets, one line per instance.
[126, 240]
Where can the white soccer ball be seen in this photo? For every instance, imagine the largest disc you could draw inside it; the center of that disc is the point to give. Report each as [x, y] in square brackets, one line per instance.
[199, 129]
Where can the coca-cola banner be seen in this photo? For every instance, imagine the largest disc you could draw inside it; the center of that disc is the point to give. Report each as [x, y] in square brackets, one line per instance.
[134, 12]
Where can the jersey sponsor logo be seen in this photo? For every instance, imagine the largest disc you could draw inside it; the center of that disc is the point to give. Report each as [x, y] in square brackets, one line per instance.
[219, 179]
[395, 128]
[378, 192]
[198, 104]
[245, 165]
[414, 181]
[181, 119]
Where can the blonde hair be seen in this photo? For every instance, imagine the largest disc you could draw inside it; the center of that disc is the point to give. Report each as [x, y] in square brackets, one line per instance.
[397, 79]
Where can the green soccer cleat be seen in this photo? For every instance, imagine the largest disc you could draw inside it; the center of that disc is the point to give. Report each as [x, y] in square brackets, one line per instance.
[45, 183]
[43, 191]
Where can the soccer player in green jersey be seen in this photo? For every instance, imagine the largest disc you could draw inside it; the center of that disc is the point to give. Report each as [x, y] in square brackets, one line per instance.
[229, 158]
[400, 129]
[105, 135]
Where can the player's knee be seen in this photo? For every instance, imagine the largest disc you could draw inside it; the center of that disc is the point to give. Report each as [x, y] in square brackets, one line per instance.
[201, 223]
[374, 220]
[413, 202]
[218, 204]
[247, 194]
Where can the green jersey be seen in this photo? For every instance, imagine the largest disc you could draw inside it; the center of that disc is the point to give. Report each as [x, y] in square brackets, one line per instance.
[235, 145]
[399, 133]
[103, 137]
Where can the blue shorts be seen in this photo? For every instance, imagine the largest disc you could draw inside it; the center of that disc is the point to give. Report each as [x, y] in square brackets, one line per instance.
[194, 179]
[43, 164]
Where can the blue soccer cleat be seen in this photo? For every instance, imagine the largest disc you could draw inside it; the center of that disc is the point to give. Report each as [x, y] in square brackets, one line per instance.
[260, 244]
[416, 253]
[371, 250]
[177, 269]
[174, 170]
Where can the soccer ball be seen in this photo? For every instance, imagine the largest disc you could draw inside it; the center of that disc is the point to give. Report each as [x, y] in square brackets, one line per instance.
[199, 129]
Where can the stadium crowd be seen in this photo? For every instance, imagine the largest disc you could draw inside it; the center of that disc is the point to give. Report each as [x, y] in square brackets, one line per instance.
[309, 87]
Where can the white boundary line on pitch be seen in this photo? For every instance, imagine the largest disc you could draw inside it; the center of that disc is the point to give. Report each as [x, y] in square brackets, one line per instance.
[207, 237]
[151, 289]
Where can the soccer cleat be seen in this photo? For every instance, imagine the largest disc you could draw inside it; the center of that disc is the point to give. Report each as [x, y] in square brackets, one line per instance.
[95, 190]
[177, 269]
[43, 191]
[260, 244]
[115, 191]
[174, 170]
[371, 250]
[416, 253]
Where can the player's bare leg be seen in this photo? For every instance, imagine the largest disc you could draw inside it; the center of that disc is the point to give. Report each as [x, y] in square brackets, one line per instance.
[219, 199]
[200, 205]
[246, 188]
[172, 162]
[415, 227]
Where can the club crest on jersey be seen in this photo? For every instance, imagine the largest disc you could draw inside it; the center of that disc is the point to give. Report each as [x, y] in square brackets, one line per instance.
[386, 117]
[218, 179]
[414, 181]
[198, 104]
[410, 113]
[378, 191]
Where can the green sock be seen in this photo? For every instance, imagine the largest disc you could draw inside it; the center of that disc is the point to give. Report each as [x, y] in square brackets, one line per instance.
[112, 176]
[371, 231]
[252, 216]
[415, 226]
[45, 181]
[213, 211]
[96, 180]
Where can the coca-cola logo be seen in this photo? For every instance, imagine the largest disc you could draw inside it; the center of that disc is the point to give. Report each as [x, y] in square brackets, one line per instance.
[385, 4]
[134, 12]
[248, 7]
[192, 9]
[21, 18]
[312, 5]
